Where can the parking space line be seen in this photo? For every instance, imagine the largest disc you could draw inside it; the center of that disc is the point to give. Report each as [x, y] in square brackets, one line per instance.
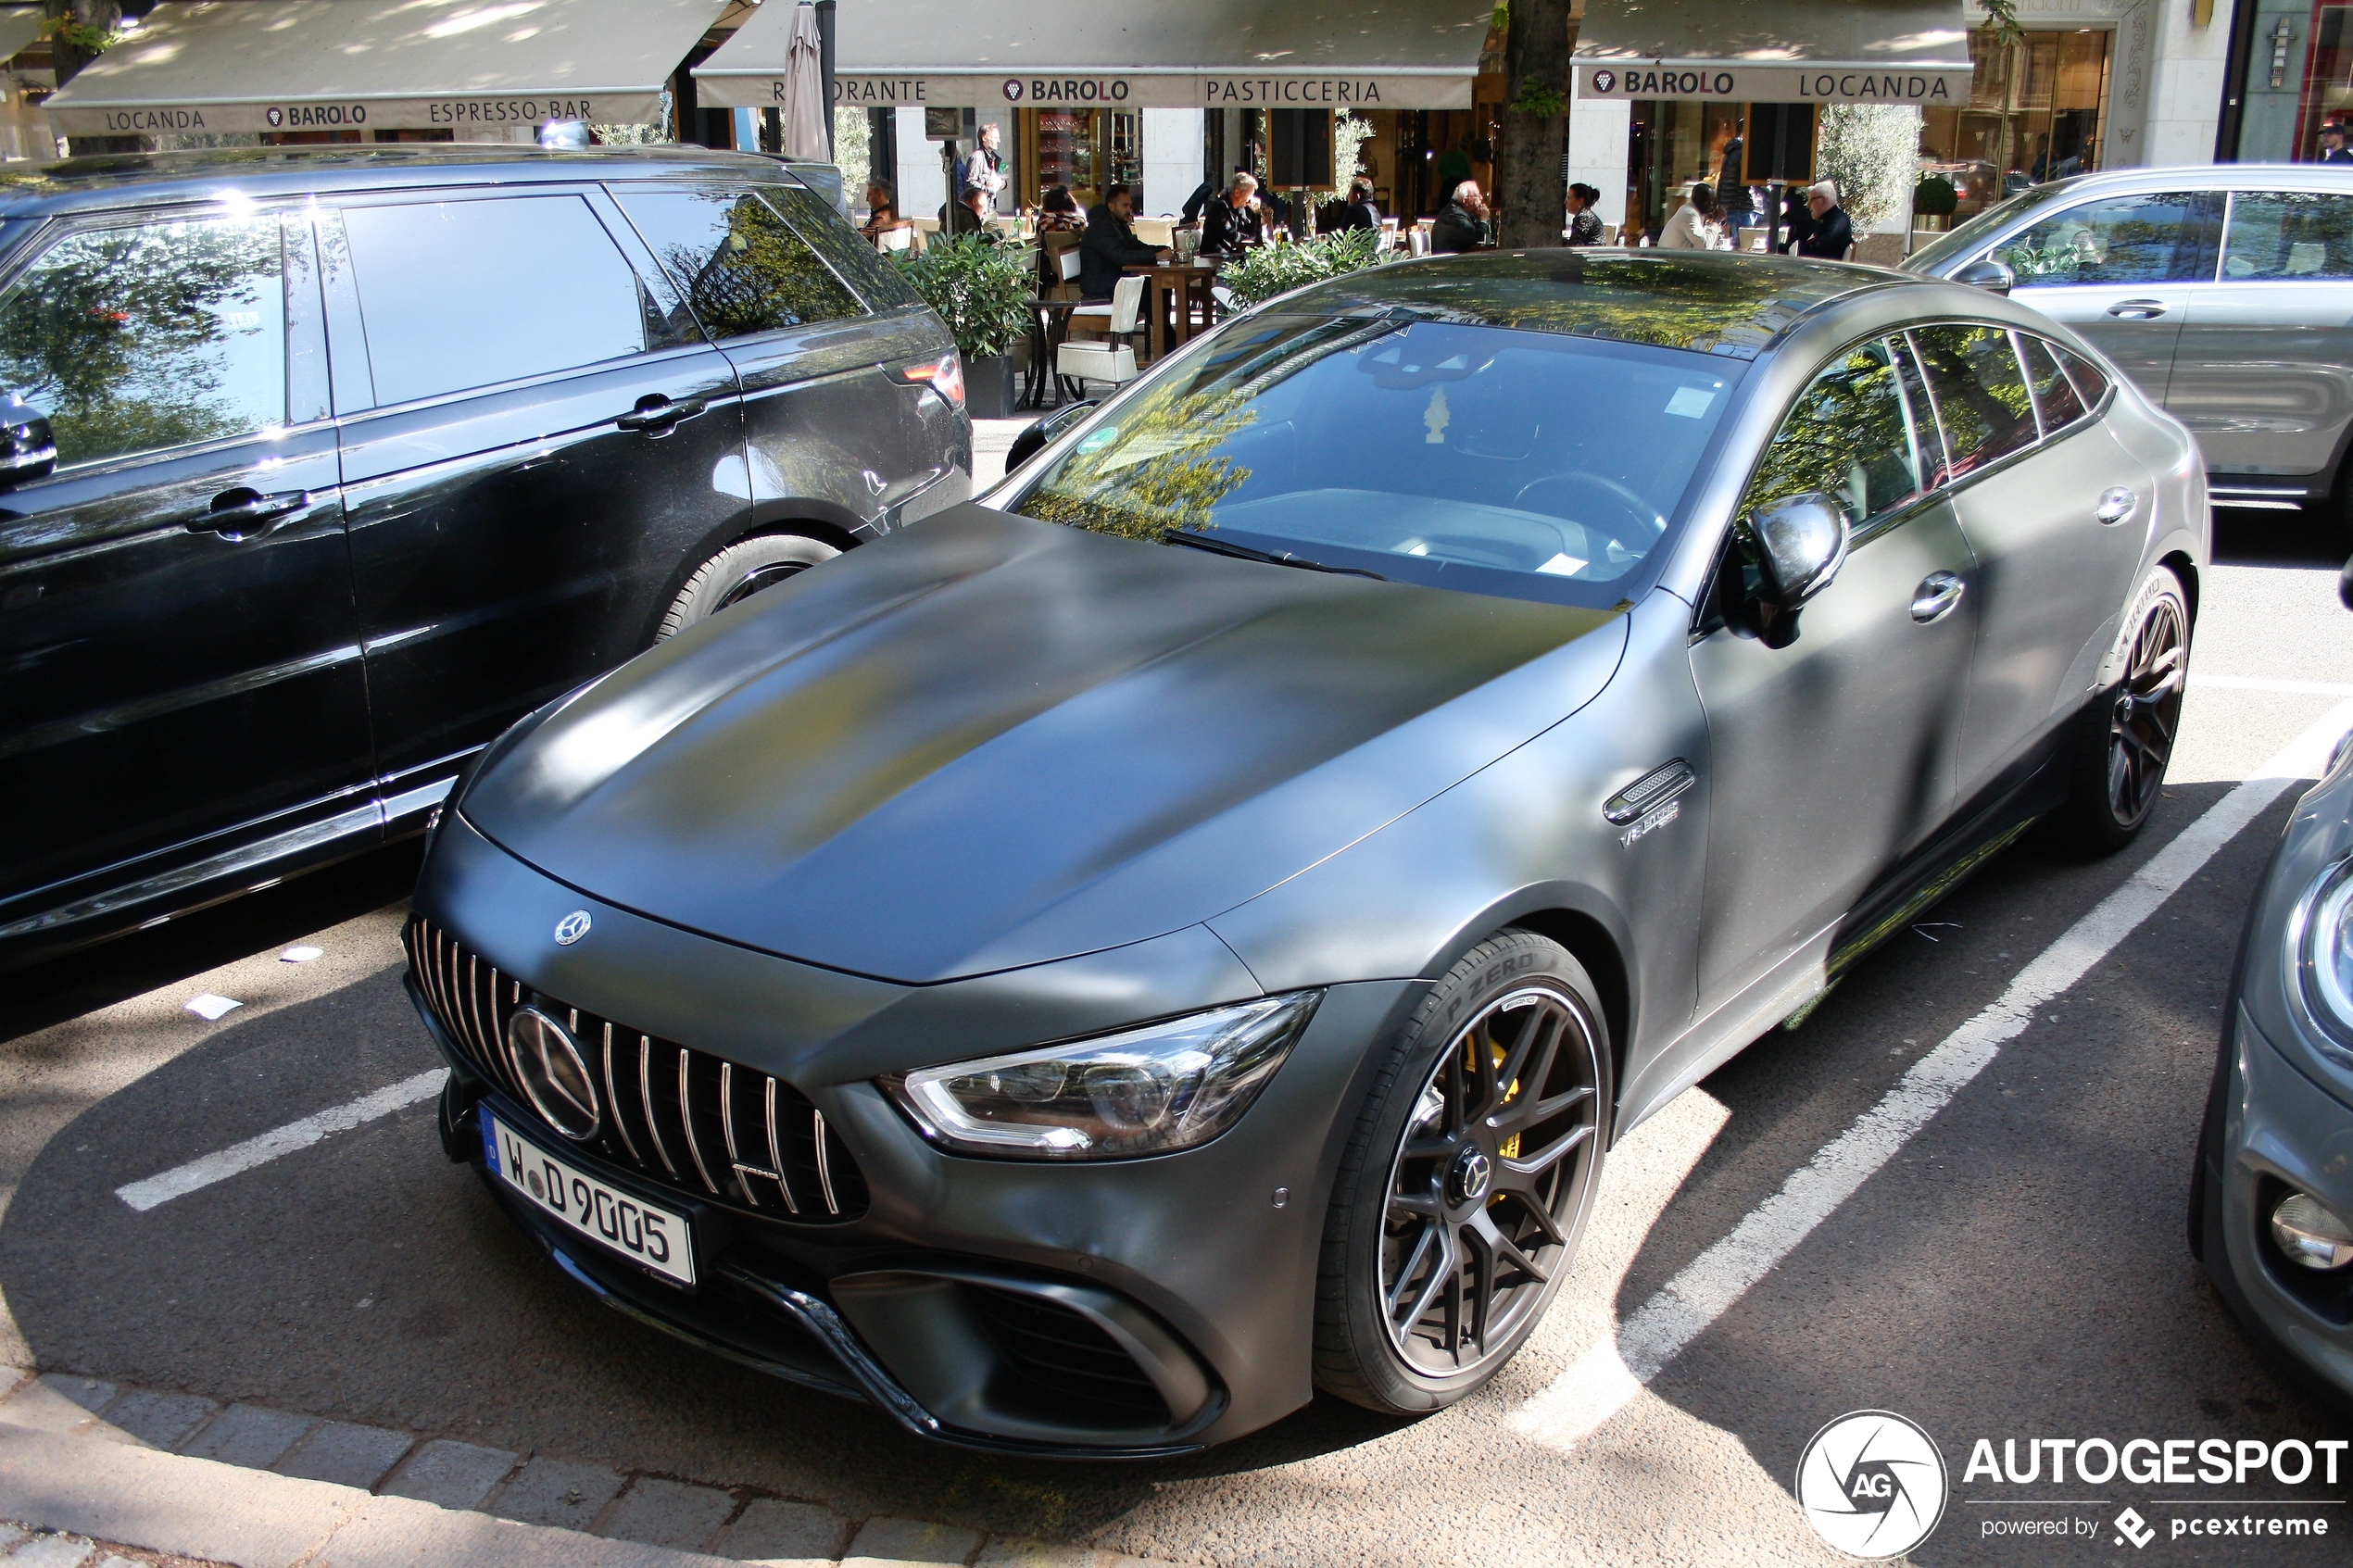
[181, 1180]
[1598, 1385]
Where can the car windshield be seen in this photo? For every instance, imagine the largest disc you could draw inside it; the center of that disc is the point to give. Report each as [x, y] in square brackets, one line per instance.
[1963, 240]
[1488, 459]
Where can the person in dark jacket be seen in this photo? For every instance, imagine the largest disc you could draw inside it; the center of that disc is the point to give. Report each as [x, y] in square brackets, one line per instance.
[964, 216]
[1462, 223]
[1359, 212]
[1584, 224]
[1833, 235]
[1797, 221]
[1110, 246]
[1234, 223]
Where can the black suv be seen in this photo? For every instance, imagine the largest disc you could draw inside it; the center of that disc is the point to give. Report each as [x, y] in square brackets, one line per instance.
[322, 466]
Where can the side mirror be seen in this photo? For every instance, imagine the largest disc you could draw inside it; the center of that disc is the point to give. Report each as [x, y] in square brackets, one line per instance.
[27, 449]
[1994, 277]
[1801, 543]
[1031, 440]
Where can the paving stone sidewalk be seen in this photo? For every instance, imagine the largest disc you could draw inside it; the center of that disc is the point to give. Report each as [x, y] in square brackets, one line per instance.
[546, 1491]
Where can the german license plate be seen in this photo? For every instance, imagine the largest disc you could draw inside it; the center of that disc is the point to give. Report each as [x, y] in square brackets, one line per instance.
[654, 1237]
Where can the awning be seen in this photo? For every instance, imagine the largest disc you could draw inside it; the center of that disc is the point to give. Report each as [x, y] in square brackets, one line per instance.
[1776, 51]
[1121, 54]
[19, 27]
[339, 65]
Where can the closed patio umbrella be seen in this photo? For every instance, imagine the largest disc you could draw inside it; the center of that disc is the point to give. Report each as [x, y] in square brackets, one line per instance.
[805, 103]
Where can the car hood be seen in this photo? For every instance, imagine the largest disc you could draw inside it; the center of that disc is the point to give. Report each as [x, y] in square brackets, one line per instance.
[991, 742]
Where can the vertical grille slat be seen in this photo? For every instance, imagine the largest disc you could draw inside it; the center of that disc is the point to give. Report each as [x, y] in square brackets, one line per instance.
[474, 1000]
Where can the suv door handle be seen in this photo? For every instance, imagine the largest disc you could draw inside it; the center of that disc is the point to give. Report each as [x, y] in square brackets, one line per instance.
[2116, 505]
[656, 414]
[2137, 309]
[241, 513]
[1937, 593]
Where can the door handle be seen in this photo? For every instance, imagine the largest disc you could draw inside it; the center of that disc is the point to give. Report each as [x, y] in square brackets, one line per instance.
[2137, 309]
[2116, 505]
[1937, 593]
[656, 414]
[241, 513]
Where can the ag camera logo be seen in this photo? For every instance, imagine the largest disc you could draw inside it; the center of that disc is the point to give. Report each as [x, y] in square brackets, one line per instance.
[1872, 1485]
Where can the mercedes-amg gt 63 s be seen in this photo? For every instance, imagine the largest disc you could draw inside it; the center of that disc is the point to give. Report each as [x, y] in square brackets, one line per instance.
[1090, 969]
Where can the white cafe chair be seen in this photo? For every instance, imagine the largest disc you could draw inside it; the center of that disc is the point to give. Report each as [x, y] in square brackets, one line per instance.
[897, 239]
[1112, 358]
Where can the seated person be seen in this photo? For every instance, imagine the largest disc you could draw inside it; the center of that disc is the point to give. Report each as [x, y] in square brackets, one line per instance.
[1059, 213]
[1234, 223]
[1111, 246]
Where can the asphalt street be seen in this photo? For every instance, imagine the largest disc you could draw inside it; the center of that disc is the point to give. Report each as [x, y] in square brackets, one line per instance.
[2016, 1270]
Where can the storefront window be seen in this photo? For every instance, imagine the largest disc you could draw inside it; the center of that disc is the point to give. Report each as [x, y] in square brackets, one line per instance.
[2033, 115]
[2328, 79]
[1086, 150]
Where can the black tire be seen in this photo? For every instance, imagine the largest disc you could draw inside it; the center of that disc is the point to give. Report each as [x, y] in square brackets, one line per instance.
[1399, 1328]
[735, 573]
[2126, 736]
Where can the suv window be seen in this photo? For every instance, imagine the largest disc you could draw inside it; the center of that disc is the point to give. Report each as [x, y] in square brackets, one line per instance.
[139, 339]
[741, 269]
[2294, 235]
[1980, 393]
[851, 254]
[2124, 239]
[465, 294]
[1850, 434]
[2055, 400]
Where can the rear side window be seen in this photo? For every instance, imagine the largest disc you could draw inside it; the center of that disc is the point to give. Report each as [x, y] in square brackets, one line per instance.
[2292, 236]
[1849, 434]
[741, 269]
[2126, 239]
[2091, 381]
[1980, 393]
[468, 294]
[141, 339]
[851, 255]
[2056, 398]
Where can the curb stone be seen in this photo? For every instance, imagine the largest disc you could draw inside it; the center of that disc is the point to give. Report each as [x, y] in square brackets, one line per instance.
[74, 1477]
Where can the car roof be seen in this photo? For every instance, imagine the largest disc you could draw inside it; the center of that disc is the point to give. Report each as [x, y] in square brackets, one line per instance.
[2208, 177]
[1710, 302]
[113, 179]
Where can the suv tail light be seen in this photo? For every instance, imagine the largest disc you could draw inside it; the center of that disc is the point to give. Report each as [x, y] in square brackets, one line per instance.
[943, 375]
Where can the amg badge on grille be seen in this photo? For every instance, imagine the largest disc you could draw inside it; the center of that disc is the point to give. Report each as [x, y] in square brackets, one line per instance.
[571, 928]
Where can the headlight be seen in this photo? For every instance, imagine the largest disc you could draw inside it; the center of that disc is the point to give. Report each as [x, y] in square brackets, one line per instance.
[2322, 954]
[1149, 1091]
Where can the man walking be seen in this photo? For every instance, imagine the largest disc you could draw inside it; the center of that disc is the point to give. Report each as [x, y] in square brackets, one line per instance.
[984, 170]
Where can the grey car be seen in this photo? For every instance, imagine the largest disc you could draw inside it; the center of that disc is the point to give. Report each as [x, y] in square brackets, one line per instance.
[2271, 1196]
[2225, 291]
[1091, 969]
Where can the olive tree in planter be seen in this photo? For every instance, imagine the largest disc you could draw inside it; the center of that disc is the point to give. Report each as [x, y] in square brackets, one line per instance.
[981, 290]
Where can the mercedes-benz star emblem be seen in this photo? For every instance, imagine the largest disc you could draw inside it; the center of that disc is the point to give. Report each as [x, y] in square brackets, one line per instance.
[554, 1074]
[571, 928]
[1472, 1173]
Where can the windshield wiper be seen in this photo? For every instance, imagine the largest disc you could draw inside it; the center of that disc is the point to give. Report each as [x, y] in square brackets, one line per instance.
[1245, 552]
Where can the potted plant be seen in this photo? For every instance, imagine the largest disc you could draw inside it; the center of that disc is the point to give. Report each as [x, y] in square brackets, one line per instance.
[980, 290]
[1268, 270]
[1934, 198]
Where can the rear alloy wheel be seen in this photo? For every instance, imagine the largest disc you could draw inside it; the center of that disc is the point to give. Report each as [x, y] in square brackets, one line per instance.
[735, 573]
[2127, 738]
[1462, 1197]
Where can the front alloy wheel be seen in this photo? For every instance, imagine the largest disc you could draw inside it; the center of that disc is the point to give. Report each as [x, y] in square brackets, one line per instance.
[1486, 1154]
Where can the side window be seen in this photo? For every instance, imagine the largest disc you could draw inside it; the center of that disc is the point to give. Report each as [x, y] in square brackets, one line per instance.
[1980, 393]
[2055, 399]
[2125, 239]
[2291, 235]
[2091, 381]
[740, 268]
[852, 255]
[1849, 434]
[140, 339]
[466, 293]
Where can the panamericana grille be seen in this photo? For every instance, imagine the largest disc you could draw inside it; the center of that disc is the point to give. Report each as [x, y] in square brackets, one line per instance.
[679, 1117]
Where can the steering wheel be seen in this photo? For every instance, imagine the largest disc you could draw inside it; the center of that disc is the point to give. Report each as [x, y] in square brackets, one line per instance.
[1615, 511]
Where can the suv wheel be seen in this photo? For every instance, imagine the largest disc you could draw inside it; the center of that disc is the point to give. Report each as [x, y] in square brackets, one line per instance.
[1463, 1194]
[2127, 737]
[735, 573]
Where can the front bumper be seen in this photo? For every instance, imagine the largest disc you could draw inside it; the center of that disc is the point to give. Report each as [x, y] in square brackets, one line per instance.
[1007, 1305]
[2281, 1131]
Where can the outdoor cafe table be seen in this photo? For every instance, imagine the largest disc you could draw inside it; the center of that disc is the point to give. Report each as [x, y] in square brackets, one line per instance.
[1170, 289]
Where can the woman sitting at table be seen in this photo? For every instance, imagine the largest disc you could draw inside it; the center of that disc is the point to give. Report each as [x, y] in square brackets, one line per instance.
[1234, 223]
[1111, 246]
[883, 218]
[1058, 214]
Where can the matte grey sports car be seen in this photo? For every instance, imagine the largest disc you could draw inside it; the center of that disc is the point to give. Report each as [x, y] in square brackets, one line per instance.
[1090, 970]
